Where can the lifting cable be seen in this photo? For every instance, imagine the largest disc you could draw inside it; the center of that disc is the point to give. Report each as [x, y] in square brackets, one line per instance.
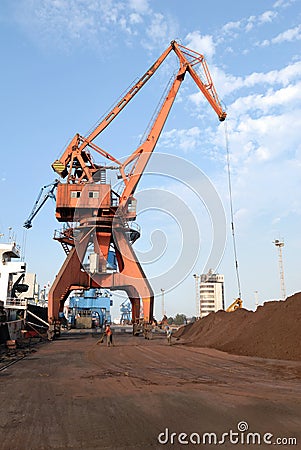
[23, 248]
[231, 209]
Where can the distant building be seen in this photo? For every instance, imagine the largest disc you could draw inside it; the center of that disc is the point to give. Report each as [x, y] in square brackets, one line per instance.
[211, 293]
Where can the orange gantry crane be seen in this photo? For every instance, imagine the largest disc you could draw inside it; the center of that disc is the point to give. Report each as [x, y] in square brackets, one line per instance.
[99, 222]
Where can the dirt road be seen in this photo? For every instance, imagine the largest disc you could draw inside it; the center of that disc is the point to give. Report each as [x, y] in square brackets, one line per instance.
[74, 394]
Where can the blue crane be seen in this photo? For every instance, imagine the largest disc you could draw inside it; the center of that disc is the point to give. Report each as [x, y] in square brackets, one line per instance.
[126, 312]
[40, 201]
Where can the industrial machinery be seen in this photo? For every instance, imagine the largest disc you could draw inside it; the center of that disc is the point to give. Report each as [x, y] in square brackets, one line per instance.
[98, 220]
[237, 304]
[88, 309]
[126, 311]
[40, 201]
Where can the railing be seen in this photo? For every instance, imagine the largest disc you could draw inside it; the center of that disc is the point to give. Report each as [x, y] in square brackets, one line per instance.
[135, 227]
[15, 303]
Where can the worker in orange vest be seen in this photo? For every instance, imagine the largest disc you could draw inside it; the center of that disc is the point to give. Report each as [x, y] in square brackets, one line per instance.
[109, 334]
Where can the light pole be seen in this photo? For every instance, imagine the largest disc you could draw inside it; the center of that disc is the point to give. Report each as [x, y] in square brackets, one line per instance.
[256, 300]
[162, 302]
[279, 244]
[197, 295]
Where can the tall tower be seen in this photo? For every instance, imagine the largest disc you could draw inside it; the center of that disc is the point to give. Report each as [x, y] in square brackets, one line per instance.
[256, 300]
[162, 302]
[197, 296]
[279, 244]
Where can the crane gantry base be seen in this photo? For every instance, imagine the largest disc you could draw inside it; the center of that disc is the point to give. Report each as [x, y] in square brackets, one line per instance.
[74, 275]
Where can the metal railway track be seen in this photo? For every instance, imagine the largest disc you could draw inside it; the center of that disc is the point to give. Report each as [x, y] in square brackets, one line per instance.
[2, 368]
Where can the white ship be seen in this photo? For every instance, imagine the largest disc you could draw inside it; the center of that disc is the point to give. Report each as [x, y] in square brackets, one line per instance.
[12, 304]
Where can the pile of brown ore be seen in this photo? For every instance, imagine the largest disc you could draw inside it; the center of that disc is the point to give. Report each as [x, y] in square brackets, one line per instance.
[272, 331]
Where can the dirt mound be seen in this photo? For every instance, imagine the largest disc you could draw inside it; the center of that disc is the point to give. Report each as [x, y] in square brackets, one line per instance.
[273, 331]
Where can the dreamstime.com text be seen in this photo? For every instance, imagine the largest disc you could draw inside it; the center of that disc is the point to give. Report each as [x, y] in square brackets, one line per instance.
[240, 436]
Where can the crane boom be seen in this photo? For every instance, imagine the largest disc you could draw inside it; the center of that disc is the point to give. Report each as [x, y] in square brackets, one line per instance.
[65, 158]
[76, 149]
[190, 58]
[144, 151]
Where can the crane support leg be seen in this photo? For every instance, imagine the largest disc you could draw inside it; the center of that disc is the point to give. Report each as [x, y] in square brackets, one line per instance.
[133, 273]
[141, 290]
[71, 276]
[130, 277]
[136, 289]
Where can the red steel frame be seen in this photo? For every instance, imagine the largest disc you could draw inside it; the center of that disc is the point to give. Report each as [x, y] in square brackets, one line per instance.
[101, 223]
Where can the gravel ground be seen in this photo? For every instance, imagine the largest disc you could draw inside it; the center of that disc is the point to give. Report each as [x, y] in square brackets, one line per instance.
[73, 393]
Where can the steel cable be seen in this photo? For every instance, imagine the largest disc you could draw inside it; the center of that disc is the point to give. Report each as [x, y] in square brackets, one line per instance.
[231, 209]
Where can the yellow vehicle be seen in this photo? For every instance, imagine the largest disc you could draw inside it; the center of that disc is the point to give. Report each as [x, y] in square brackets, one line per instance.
[237, 304]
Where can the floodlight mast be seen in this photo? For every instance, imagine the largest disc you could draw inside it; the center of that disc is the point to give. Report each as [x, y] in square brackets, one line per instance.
[280, 244]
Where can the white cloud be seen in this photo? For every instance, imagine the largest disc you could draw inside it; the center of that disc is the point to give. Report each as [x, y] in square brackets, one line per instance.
[264, 167]
[283, 3]
[248, 23]
[281, 77]
[63, 22]
[184, 139]
[267, 17]
[288, 97]
[135, 18]
[290, 35]
[264, 142]
[263, 153]
[140, 6]
[125, 25]
[229, 27]
[201, 43]
[59, 23]
[160, 30]
[226, 83]
[277, 132]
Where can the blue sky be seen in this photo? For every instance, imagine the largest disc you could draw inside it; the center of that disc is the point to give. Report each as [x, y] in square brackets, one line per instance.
[64, 63]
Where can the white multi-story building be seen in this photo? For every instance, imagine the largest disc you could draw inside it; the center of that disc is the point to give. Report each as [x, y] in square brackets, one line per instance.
[211, 293]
